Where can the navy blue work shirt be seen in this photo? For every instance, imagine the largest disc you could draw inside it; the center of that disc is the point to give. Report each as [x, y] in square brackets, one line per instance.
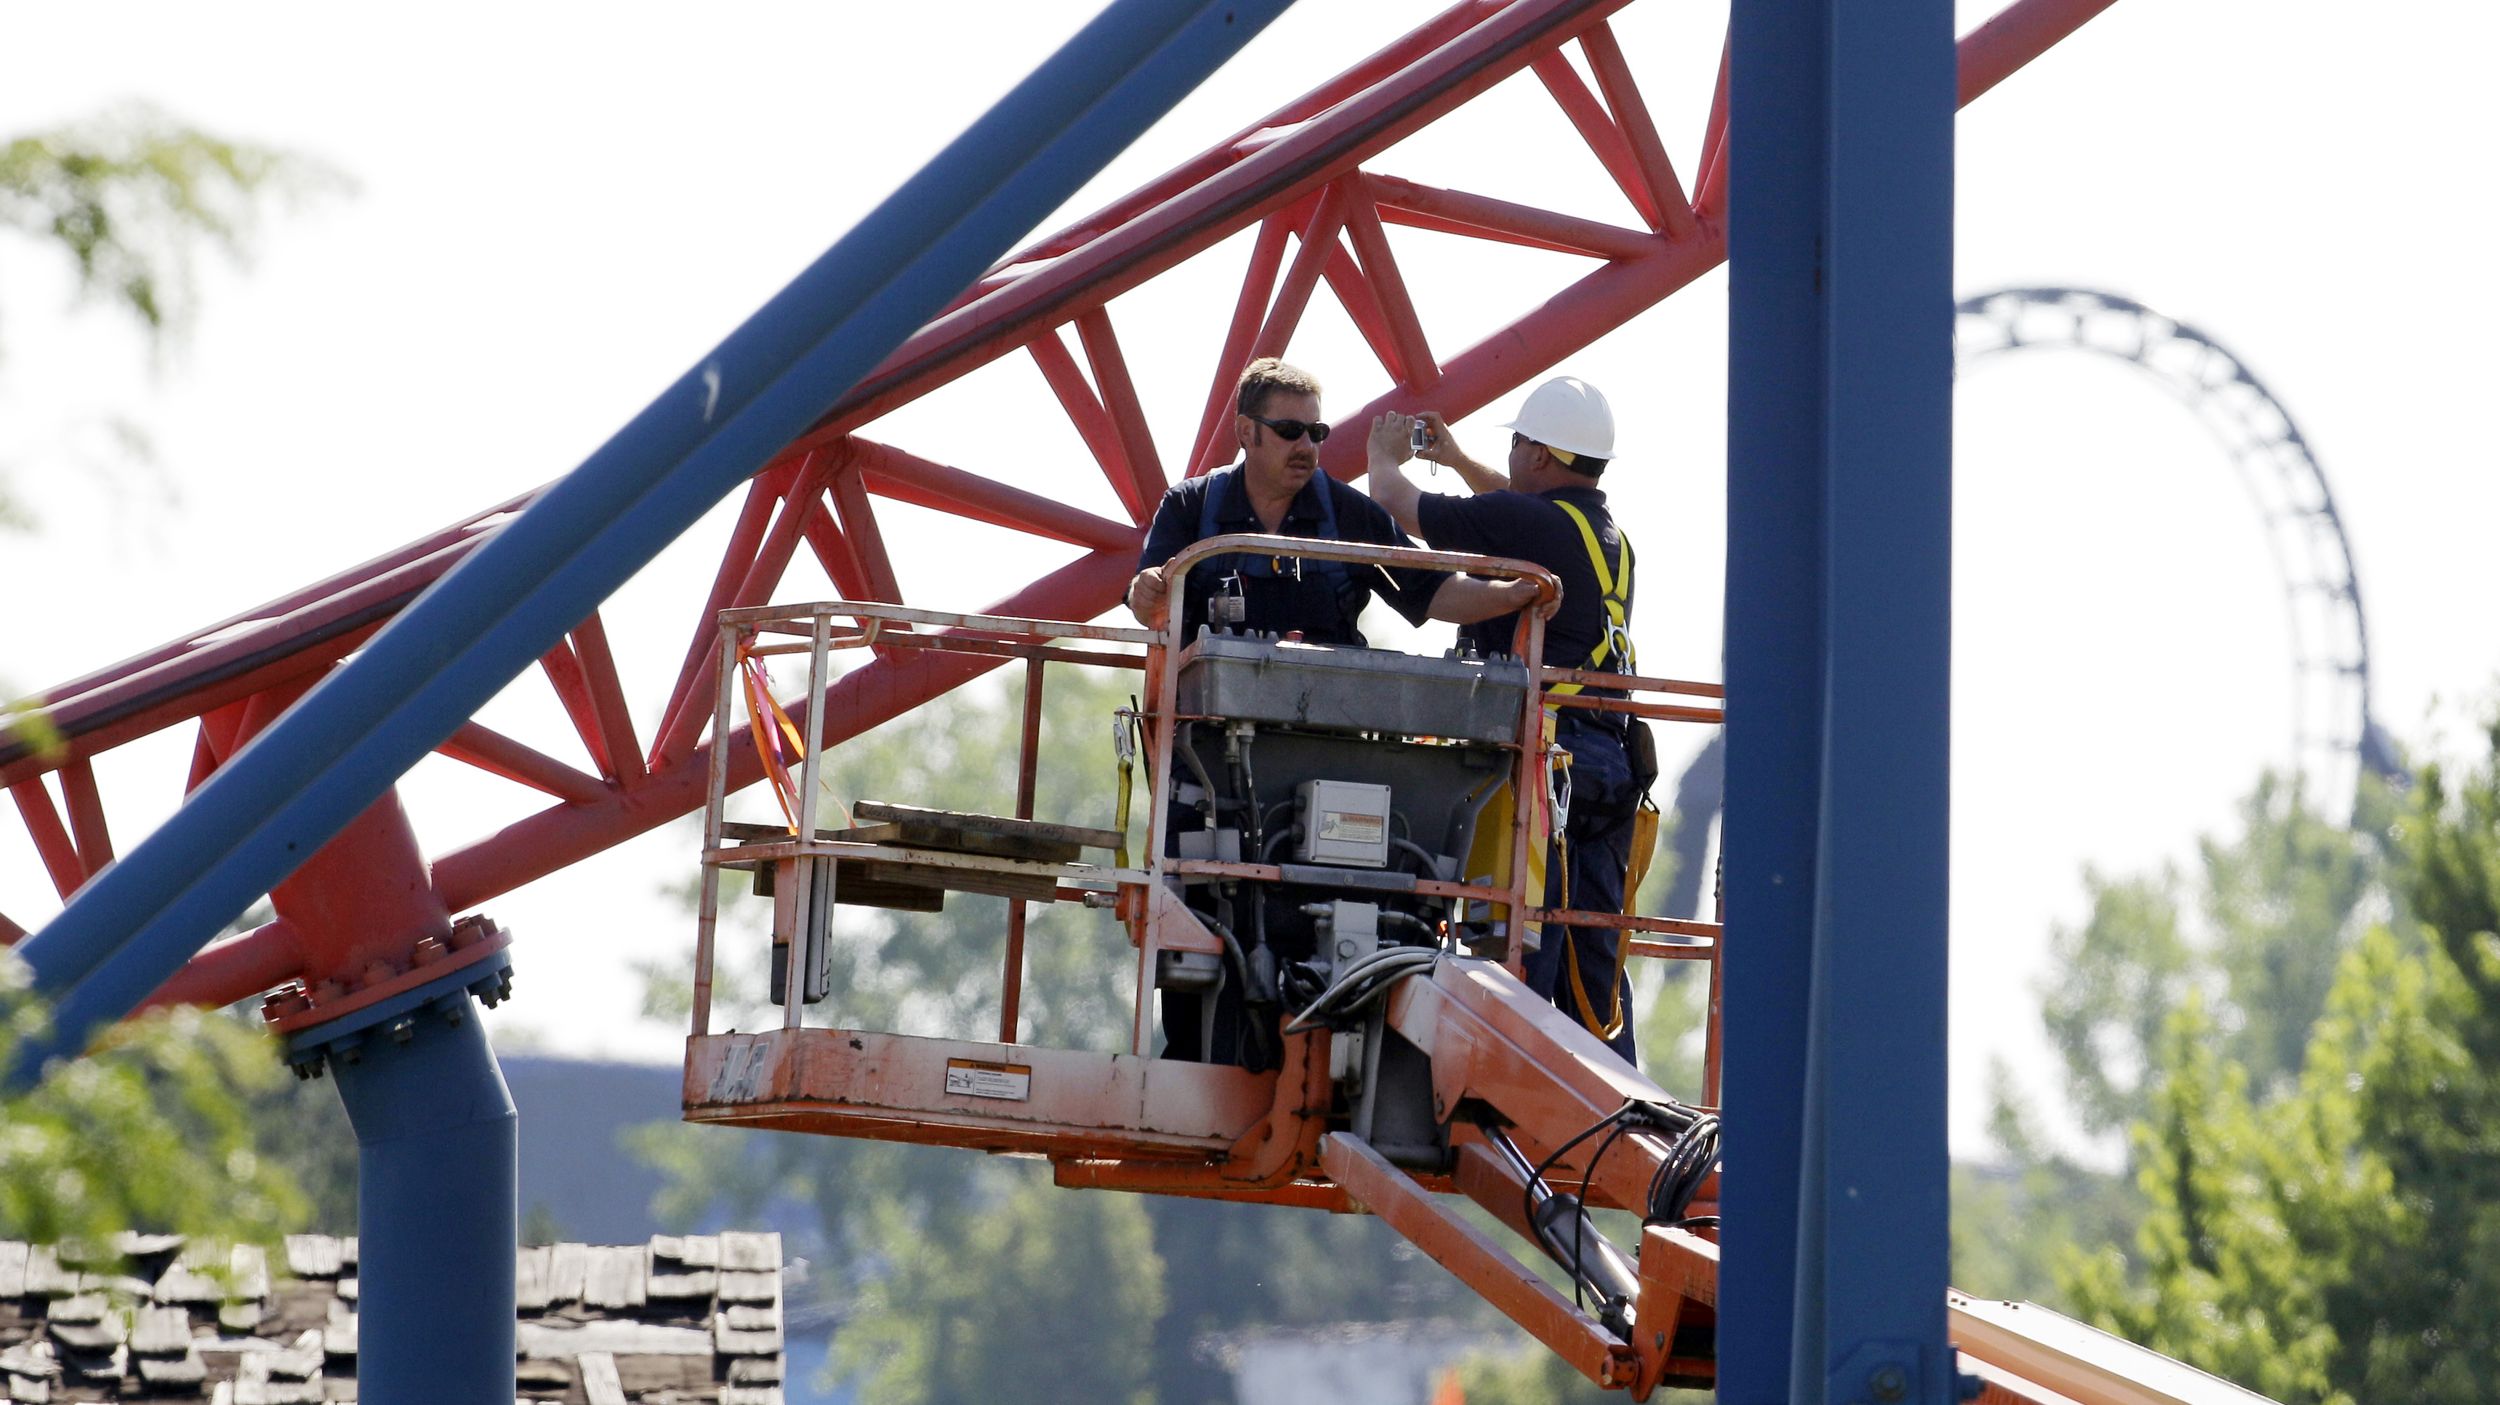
[1530, 527]
[1324, 605]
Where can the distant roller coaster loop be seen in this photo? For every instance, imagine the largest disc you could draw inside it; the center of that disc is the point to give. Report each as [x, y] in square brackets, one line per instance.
[2335, 733]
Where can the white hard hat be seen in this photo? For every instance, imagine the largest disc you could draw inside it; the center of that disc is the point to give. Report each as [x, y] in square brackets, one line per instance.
[1567, 413]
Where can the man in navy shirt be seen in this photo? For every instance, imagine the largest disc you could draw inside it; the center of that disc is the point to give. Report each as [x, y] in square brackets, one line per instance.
[1277, 488]
[1547, 508]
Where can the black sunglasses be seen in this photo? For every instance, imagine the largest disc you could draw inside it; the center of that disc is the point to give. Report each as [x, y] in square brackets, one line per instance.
[1295, 429]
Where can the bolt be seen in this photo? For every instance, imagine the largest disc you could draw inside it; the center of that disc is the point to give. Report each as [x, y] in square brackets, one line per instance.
[1888, 1383]
[453, 1013]
[403, 1029]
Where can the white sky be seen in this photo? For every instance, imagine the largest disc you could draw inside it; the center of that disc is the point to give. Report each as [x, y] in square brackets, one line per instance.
[563, 206]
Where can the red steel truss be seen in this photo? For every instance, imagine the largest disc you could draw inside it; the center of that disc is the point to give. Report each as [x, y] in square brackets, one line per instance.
[1303, 179]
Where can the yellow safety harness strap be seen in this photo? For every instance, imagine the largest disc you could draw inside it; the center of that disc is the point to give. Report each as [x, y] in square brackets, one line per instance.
[1125, 739]
[1615, 586]
[1610, 1024]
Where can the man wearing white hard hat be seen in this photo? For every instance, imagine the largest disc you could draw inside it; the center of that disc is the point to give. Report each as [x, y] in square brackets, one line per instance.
[1547, 508]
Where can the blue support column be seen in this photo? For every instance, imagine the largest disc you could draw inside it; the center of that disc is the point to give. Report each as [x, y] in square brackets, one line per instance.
[1839, 621]
[438, 1192]
[1774, 649]
[512, 598]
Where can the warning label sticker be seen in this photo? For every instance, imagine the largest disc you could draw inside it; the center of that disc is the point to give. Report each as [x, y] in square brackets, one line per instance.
[1352, 826]
[972, 1078]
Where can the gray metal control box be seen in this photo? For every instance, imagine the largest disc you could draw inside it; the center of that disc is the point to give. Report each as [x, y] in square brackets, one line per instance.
[1344, 823]
[1344, 689]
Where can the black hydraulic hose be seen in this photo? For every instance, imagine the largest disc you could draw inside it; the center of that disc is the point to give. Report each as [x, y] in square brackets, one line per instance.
[1251, 994]
[1253, 823]
[1232, 948]
[1198, 768]
[1689, 1161]
[1559, 1220]
[1431, 933]
[1253, 835]
[1595, 1264]
[1431, 864]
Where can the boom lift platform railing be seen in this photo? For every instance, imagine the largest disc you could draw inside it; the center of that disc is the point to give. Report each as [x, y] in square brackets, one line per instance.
[1416, 1072]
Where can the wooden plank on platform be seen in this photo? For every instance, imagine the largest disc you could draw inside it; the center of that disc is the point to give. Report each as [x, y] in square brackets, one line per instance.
[913, 834]
[855, 887]
[1039, 888]
[857, 884]
[996, 826]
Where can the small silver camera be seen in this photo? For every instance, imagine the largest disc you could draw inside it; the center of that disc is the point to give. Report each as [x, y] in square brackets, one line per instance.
[1419, 438]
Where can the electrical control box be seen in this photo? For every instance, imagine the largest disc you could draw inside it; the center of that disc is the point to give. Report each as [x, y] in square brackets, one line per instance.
[1324, 687]
[1344, 823]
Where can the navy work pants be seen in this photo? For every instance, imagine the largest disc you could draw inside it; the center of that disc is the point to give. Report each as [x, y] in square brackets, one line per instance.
[1598, 851]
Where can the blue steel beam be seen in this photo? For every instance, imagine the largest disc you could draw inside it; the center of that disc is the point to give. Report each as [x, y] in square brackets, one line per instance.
[476, 629]
[438, 1176]
[1774, 666]
[1839, 591]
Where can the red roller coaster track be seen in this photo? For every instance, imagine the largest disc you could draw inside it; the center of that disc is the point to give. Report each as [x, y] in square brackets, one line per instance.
[1302, 179]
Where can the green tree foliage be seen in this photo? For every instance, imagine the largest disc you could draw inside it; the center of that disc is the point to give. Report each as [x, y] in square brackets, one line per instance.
[2251, 938]
[302, 1131]
[2332, 1233]
[2017, 1219]
[1539, 1377]
[2224, 1283]
[2273, 911]
[2118, 977]
[1040, 1276]
[147, 1133]
[1670, 999]
[183, 1121]
[2451, 845]
[1528, 1378]
[132, 196]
